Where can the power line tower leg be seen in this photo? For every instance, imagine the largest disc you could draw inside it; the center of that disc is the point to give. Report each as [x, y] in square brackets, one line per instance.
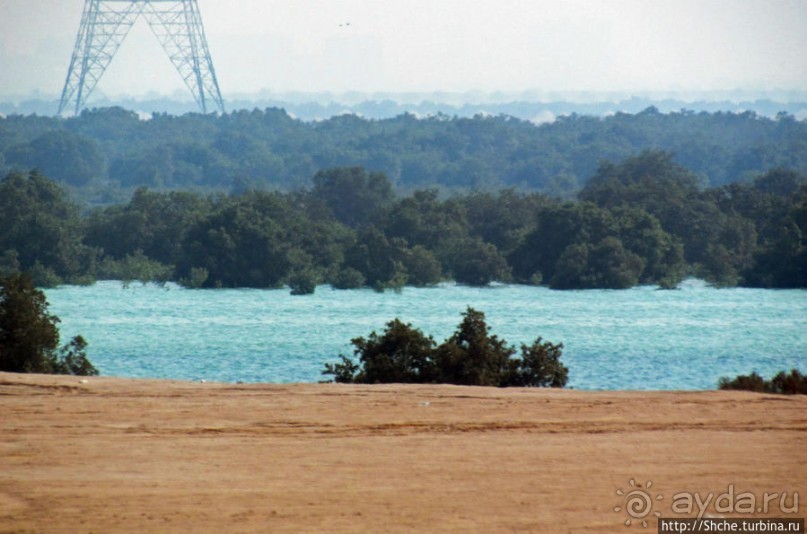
[106, 23]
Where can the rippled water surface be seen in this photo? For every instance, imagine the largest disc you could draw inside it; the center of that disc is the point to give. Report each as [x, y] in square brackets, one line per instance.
[640, 338]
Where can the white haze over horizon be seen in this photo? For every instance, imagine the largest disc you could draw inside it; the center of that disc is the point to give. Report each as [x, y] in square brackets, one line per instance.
[452, 46]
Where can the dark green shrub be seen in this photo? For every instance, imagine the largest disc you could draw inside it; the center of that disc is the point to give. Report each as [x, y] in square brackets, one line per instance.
[343, 372]
[539, 366]
[471, 356]
[29, 337]
[9, 263]
[135, 267]
[605, 265]
[347, 278]
[303, 282]
[476, 263]
[794, 383]
[196, 278]
[422, 268]
[378, 259]
[752, 382]
[43, 276]
[402, 354]
[72, 359]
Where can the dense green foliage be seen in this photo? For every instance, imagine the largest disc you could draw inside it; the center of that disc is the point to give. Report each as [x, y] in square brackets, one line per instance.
[29, 336]
[730, 234]
[105, 152]
[659, 197]
[41, 231]
[470, 357]
[794, 383]
[640, 221]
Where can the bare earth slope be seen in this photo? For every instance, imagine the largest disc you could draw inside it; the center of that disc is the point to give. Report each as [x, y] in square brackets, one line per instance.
[110, 455]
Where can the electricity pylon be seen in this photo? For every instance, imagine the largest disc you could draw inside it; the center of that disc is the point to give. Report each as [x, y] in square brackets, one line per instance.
[177, 25]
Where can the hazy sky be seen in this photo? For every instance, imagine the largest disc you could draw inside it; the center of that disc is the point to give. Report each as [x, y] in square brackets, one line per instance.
[436, 45]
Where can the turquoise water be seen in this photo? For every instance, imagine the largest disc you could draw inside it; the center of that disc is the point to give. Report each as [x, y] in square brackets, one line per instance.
[640, 338]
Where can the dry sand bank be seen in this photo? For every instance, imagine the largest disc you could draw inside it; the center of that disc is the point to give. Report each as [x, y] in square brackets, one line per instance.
[115, 455]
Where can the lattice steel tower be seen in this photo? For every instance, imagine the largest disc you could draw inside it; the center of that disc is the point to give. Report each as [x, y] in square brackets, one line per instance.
[177, 25]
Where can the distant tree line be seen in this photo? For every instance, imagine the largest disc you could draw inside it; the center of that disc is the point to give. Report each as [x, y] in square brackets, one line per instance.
[103, 155]
[534, 107]
[645, 220]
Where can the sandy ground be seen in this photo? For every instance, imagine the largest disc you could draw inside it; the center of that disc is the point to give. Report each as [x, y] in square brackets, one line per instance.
[110, 455]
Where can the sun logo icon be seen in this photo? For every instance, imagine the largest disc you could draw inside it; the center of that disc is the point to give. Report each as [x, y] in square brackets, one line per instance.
[637, 503]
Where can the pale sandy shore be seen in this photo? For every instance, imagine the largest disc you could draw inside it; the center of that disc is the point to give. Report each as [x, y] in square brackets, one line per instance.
[114, 455]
